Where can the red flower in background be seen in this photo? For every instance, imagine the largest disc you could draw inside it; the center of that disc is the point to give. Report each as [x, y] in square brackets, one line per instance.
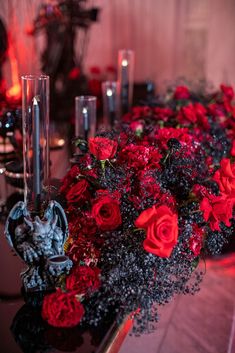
[162, 113]
[140, 112]
[217, 209]
[62, 309]
[74, 73]
[83, 279]
[182, 92]
[95, 70]
[227, 91]
[102, 148]
[161, 226]
[106, 212]
[78, 192]
[193, 114]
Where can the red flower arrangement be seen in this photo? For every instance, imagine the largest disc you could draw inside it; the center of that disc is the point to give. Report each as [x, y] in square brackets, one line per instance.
[144, 204]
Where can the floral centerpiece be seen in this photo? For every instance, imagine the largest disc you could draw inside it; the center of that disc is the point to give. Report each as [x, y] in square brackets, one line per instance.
[144, 205]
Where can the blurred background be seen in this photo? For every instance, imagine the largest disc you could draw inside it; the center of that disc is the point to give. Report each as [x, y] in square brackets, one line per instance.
[171, 38]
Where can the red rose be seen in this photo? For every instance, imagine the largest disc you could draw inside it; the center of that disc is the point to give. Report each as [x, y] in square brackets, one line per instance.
[181, 92]
[83, 279]
[187, 114]
[140, 112]
[201, 114]
[62, 309]
[217, 209]
[106, 212]
[225, 177]
[162, 113]
[161, 225]
[78, 191]
[102, 148]
[228, 92]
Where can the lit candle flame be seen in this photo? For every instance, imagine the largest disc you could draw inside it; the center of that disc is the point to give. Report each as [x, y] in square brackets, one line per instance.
[109, 92]
[124, 62]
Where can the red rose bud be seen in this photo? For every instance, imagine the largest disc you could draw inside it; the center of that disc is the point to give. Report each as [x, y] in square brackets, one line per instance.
[83, 279]
[182, 92]
[102, 148]
[62, 309]
[106, 212]
[161, 226]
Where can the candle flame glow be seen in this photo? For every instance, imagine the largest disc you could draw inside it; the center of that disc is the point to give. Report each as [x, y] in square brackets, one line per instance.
[124, 62]
[84, 110]
[109, 92]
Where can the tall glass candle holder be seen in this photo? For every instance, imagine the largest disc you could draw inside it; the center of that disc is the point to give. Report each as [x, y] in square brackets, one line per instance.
[111, 103]
[35, 119]
[85, 117]
[126, 78]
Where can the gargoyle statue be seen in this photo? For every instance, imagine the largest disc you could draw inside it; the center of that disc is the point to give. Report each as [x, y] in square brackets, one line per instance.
[40, 244]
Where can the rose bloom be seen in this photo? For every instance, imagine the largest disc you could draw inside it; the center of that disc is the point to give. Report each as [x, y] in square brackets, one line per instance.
[62, 309]
[161, 226]
[102, 148]
[162, 113]
[140, 112]
[78, 192]
[225, 177]
[217, 209]
[106, 212]
[83, 279]
[228, 92]
[182, 92]
[187, 114]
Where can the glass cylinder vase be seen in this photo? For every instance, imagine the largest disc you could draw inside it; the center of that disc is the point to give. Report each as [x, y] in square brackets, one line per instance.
[111, 103]
[126, 78]
[85, 117]
[35, 120]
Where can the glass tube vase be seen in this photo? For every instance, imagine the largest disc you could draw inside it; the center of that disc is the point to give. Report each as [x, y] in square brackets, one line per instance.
[126, 78]
[35, 120]
[85, 117]
[111, 103]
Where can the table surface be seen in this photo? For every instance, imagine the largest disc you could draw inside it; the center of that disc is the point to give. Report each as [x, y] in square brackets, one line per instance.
[204, 323]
